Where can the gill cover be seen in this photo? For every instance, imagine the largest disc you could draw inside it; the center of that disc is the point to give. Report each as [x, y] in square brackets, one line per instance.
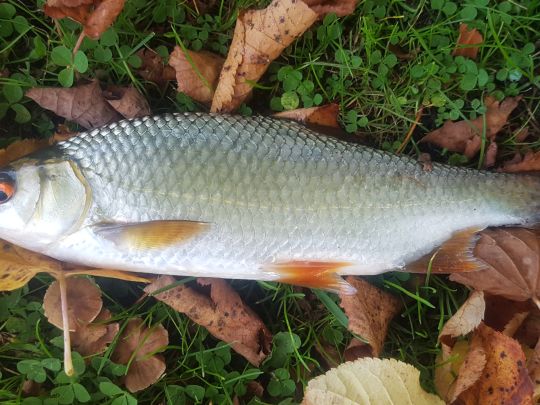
[49, 201]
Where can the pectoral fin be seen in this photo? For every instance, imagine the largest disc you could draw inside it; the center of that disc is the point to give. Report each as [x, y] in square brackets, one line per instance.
[150, 235]
[313, 274]
[453, 256]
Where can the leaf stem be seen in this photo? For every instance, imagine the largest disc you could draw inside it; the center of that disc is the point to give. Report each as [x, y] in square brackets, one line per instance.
[68, 361]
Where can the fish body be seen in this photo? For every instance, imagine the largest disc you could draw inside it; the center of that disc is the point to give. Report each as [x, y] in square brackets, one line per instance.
[245, 196]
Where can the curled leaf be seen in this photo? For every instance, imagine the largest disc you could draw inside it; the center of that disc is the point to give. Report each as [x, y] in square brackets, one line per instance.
[466, 136]
[259, 37]
[223, 313]
[83, 104]
[137, 346]
[102, 17]
[83, 298]
[370, 311]
[468, 42]
[369, 381]
[324, 115]
[197, 73]
[465, 320]
[339, 7]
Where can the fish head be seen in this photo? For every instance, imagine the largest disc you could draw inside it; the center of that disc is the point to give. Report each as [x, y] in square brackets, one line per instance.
[41, 201]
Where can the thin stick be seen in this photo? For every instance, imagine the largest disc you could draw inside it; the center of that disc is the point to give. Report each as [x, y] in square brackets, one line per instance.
[79, 42]
[536, 301]
[411, 130]
[68, 361]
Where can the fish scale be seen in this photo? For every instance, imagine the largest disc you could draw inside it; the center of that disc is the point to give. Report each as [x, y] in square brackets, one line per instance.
[272, 191]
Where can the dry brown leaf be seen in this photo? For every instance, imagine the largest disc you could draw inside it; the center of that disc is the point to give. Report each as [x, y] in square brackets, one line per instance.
[370, 311]
[127, 101]
[529, 163]
[223, 313]
[95, 15]
[153, 69]
[503, 314]
[83, 104]
[465, 136]
[465, 320]
[21, 148]
[324, 115]
[259, 37]
[339, 7]
[469, 371]
[83, 298]
[529, 331]
[491, 155]
[137, 345]
[468, 42]
[504, 379]
[512, 255]
[95, 337]
[197, 73]
[533, 367]
[102, 17]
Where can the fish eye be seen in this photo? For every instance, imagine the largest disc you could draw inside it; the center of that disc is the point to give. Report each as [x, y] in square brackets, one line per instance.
[7, 186]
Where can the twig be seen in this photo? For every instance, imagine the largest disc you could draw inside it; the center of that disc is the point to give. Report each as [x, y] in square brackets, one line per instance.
[68, 361]
[411, 130]
[79, 42]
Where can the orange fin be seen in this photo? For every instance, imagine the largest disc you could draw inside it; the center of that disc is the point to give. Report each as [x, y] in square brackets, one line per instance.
[313, 274]
[152, 234]
[453, 256]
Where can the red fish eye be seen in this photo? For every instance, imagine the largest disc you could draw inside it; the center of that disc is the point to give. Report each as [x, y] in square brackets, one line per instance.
[7, 187]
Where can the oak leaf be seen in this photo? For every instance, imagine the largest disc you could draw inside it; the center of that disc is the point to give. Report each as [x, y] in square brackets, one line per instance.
[370, 311]
[466, 136]
[259, 37]
[513, 259]
[222, 313]
[197, 73]
[83, 104]
[324, 115]
[369, 381]
[137, 346]
[468, 42]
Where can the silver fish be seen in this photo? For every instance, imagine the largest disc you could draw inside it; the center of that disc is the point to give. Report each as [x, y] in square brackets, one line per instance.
[250, 198]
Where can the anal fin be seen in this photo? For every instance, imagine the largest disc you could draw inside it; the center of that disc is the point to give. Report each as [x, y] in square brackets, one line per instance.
[312, 274]
[456, 255]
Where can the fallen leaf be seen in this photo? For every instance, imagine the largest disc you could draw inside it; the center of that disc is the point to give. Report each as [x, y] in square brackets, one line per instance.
[465, 320]
[324, 115]
[466, 136]
[137, 346]
[370, 311]
[94, 338]
[502, 314]
[197, 73]
[533, 367]
[153, 69]
[223, 313]
[339, 7]
[504, 379]
[83, 104]
[529, 163]
[512, 256]
[102, 17]
[491, 155]
[369, 381]
[529, 331]
[259, 37]
[468, 42]
[21, 148]
[83, 298]
[95, 15]
[470, 370]
[127, 101]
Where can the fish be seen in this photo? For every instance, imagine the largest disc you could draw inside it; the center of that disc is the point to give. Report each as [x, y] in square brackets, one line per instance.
[255, 198]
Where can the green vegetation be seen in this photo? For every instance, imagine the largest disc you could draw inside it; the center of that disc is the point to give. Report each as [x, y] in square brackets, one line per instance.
[381, 64]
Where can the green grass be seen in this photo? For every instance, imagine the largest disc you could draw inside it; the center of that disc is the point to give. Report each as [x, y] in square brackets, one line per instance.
[347, 60]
